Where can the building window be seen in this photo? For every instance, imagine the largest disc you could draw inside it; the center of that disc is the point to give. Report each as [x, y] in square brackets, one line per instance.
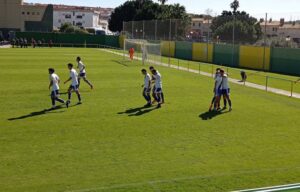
[79, 16]
[23, 13]
[274, 29]
[194, 24]
[59, 21]
[73, 22]
[68, 16]
[33, 13]
[28, 13]
[199, 24]
[78, 24]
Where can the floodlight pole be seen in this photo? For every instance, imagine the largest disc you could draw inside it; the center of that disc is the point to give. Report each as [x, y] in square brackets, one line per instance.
[143, 29]
[233, 39]
[265, 43]
[132, 29]
[207, 41]
[155, 30]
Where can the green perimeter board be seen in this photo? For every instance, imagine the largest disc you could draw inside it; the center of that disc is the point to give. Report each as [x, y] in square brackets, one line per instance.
[68, 38]
[184, 50]
[285, 60]
[222, 55]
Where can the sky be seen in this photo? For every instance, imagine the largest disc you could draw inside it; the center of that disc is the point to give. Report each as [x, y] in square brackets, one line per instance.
[289, 9]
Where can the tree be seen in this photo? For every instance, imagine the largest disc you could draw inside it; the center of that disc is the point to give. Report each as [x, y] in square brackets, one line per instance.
[235, 5]
[162, 1]
[246, 28]
[69, 28]
[133, 11]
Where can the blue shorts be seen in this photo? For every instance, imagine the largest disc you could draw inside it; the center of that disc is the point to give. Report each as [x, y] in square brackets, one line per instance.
[74, 88]
[158, 90]
[147, 90]
[55, 93]
[226, 91]
[82, 74]
[218, 92]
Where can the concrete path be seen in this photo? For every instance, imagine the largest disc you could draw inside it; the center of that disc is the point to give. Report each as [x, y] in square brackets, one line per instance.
[236, 81]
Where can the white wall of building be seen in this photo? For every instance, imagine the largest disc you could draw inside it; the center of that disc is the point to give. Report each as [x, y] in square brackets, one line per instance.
[85, 19]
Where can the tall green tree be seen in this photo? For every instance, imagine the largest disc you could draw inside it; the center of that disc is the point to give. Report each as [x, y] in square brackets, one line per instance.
[235, 5]
[133, 11]
[246, 28]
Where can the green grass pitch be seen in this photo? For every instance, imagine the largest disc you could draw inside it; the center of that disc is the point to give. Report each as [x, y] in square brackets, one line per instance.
[109, 144]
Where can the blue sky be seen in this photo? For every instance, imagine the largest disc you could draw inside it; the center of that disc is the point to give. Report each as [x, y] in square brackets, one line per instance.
[276, 8]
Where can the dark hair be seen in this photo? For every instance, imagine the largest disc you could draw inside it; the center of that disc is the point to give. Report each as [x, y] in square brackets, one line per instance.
[70, 65]
[144, 70]
[78, 58]
[222, 71]
[51, 70]
[151, 68]
[154, 71]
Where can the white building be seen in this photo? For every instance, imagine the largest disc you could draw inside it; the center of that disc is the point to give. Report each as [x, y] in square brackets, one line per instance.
[77, 16]
[200, 28]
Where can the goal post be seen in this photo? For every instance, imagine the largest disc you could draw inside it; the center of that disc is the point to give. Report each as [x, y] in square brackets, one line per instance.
[145, 51]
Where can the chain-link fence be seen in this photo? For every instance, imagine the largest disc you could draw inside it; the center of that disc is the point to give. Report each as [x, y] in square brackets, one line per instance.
[266, 46]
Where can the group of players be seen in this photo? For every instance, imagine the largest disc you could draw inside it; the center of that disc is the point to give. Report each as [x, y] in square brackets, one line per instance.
[152, 84]
[221, 89]
[157, 93]
[75, 83]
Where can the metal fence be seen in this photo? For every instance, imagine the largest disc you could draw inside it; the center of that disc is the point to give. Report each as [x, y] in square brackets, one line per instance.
[272, 29]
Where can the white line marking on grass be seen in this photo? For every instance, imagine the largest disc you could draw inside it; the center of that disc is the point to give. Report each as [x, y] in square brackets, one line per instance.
[236, 81]
[273, 188]
[151, 183]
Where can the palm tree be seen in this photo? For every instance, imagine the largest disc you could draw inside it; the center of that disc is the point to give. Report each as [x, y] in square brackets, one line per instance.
[162, 1]
[235, 5]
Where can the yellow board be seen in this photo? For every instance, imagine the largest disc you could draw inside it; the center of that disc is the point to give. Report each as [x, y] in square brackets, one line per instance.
[168, 48]
[255, 57]
[121, 41]
[203, 52]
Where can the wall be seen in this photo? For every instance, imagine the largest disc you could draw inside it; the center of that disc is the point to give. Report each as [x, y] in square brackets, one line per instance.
[285, 60]
[112, 41]
[184, 50]
[226, 54]
[168, 48]
[255, 57]
[203, 52]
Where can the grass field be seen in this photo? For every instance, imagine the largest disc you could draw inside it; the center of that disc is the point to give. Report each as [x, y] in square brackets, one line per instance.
[109, 143]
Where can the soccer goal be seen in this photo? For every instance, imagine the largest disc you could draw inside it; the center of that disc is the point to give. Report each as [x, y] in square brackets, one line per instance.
[143, 50]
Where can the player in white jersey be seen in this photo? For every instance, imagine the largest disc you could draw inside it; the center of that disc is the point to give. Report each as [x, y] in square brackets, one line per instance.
[147, 87]
[74, 84]
[158, 87]
[151, 68]
[82, 73]
[226, 89]
[215, 91]
[54, 81]
[218, 91]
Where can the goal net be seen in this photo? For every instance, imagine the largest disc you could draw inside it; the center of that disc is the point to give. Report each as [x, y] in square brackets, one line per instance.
[144, 51]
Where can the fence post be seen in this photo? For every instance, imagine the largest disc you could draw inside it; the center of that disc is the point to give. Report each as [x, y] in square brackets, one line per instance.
[267, 81]
[188, 65]
[177, 63]
[212, 70]
[199, 68]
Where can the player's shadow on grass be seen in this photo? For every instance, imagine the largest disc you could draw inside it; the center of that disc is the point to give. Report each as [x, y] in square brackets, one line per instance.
[138, 111]
[211, 114]
[120, 62]
[38, 113]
